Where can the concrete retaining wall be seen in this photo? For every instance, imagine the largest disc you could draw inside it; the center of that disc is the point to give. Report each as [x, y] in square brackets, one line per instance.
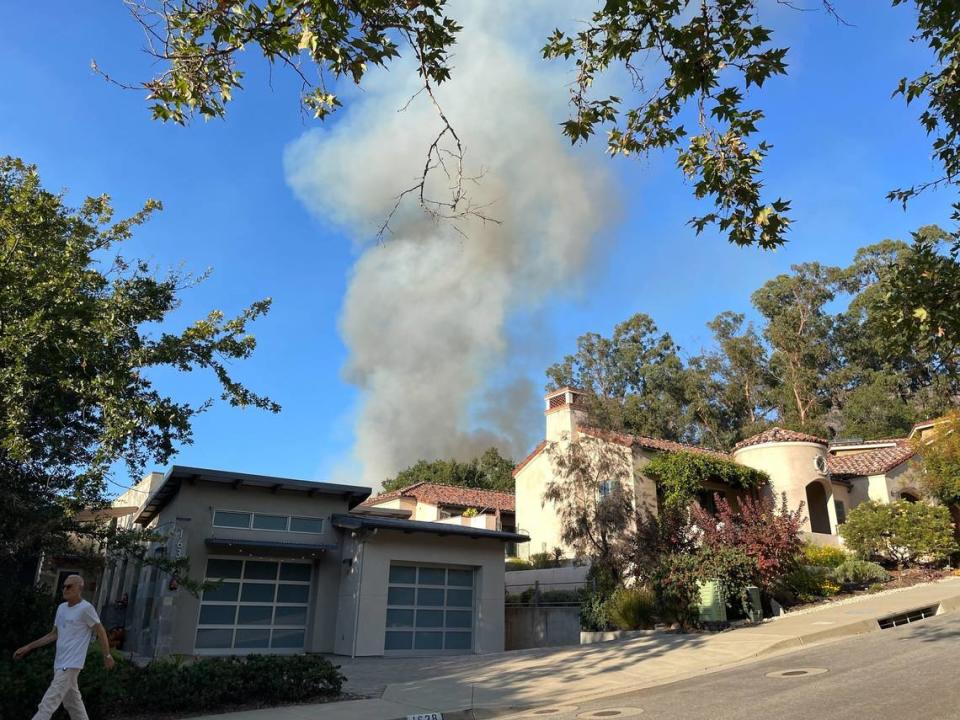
[537, 627]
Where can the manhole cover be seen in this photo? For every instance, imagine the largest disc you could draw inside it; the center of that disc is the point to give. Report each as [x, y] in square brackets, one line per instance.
[796, 672]
[614, 712]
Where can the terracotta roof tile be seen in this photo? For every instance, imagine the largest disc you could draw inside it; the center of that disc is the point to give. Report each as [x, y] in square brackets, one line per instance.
[649, 443]
[872, 462]
[533, 453]
[438, 494]
[777, 434]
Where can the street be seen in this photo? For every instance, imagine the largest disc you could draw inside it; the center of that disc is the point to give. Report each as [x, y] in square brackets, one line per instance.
[906, 672]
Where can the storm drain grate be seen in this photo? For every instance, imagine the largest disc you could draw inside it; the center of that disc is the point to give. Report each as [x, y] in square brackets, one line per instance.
[905, 618]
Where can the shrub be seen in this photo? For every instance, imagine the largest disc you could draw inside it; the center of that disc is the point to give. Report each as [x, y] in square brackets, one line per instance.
[768, 533]
[676, 582]
[875, 588]
[517, 564]
[28, 613]
[632, 608]
[823, 555]
[900, 532]
[806, 583]
[171, 685]
[859, 572]
[732, 570]
[593, 612]
[542, 561]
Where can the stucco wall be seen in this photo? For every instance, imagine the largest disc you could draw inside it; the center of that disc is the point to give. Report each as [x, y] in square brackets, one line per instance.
[536, 518]
[791, 467]
[191, 512]
[365, 579]
[644, 489]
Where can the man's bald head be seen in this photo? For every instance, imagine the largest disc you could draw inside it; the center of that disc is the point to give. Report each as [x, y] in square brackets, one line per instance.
[73, 589]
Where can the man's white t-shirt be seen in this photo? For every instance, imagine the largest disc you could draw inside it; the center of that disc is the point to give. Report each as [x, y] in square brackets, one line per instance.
[73, 634]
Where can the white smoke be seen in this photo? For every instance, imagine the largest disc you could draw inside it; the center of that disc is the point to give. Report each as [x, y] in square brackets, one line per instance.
[426, 312]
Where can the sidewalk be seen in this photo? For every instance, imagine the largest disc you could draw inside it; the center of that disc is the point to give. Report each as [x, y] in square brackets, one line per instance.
[524, 678]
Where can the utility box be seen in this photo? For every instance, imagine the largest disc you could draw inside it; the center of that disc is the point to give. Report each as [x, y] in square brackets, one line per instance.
[754, 604]
[713, 608]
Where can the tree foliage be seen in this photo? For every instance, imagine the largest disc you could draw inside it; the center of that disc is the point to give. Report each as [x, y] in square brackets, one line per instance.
[824, 358]
[711, 53]
[591, 489]
[82, 330]
[941, 462]
[900, 532]
[197, 44]
[490, 471]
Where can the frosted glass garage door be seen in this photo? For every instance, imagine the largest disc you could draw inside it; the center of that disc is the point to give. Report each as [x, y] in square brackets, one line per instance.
[257, 606]
[429, 610]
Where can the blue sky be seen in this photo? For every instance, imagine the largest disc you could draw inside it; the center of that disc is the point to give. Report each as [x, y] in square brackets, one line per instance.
[840, 143]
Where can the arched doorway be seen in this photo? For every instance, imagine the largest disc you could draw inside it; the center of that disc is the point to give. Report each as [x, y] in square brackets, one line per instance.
[817, 508]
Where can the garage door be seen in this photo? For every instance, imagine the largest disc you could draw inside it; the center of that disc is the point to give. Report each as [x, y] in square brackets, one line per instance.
[258, 606]
[430, 610]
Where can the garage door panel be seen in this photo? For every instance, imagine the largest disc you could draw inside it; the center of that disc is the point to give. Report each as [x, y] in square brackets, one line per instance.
[267, 608]
[429, 610]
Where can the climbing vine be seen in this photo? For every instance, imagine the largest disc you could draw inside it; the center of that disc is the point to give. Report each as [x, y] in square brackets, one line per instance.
[680, 475]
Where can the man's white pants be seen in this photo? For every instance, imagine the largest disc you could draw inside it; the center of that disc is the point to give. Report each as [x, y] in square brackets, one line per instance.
[63, 689]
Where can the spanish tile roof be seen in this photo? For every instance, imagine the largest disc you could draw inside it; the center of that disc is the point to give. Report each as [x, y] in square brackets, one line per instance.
[438, 494]
[872, 462]
[776, 434]
[533, 453]
[649, 443]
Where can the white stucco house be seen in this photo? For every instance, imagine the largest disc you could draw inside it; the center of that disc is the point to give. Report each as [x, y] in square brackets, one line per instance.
[830, 479]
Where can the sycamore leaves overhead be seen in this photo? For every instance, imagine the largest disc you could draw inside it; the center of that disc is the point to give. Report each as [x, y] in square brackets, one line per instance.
[711, 54]
[198, 43]
[938, 25]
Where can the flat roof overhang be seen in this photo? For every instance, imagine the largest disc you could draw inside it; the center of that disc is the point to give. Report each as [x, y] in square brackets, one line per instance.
[177, 474]
[371, 522]
[244, 545]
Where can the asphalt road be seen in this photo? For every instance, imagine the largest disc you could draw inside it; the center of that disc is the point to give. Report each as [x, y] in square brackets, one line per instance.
[906, 673]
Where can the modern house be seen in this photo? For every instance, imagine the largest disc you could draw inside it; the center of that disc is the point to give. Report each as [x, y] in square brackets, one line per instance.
[435, 502]
[292, 568]
[829, 479]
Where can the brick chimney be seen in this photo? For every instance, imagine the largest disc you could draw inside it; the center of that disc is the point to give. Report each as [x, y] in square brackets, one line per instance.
[566, 410]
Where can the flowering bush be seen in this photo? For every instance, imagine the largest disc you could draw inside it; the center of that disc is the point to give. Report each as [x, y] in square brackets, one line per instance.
[769, 534]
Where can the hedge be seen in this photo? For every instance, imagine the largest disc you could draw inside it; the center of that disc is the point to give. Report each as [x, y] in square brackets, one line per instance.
[172, 686]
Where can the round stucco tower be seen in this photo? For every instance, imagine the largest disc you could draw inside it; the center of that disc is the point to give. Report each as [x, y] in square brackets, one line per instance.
[797, 466]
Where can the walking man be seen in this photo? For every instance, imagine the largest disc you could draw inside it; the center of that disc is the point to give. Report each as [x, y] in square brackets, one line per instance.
[71, 631]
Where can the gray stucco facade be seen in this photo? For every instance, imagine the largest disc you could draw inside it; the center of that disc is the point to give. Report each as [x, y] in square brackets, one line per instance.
[295, 571]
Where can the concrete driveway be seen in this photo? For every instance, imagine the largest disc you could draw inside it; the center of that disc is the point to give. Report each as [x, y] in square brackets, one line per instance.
[396, 687]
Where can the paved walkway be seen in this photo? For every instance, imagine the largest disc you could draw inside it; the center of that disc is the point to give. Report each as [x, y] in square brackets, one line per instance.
[401, 686]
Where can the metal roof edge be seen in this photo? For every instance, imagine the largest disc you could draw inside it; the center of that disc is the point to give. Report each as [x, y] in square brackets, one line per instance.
[356, 522]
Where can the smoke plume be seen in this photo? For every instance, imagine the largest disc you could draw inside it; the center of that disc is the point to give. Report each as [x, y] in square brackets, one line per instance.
[426, 313]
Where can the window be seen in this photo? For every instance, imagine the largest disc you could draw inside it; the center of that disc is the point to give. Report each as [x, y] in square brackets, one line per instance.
[605, 488]
[265, 521]
[224, 518]
[257, 606]
[270, 522]
[841, 511]
[306, 525]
